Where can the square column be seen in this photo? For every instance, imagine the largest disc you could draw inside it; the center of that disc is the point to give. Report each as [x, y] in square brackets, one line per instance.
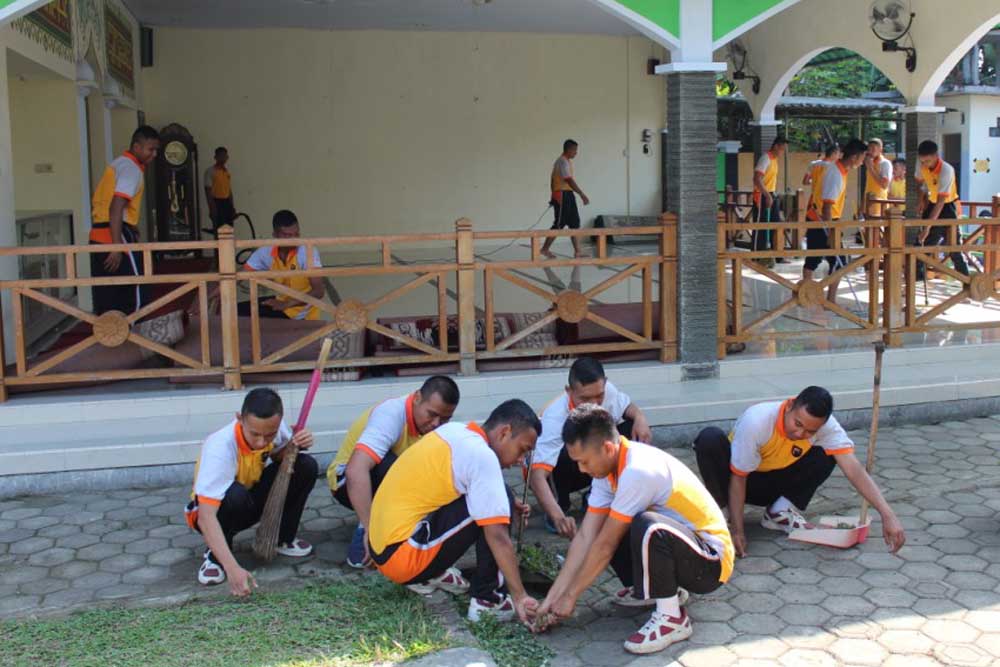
[690, 166]
[922, 123]
[8, 222]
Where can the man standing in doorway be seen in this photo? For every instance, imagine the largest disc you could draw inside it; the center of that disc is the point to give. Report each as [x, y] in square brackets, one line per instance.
[765, 186]
[942, 193]
[116, 206]
[564, 190]
[879, 176]
[219, 190]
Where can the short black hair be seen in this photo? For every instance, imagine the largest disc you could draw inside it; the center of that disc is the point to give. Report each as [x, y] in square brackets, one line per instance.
[262, 403]
[589, 424]
[876, 141]
[144, 133]
[831, 149]
[854, 148]
[517, 414]
[284, 218]
[899, 160]
[568, 144]
[585, 370]
[221, 149]
[441, 385]
[927, 148]
[817, 401]
[779, 141]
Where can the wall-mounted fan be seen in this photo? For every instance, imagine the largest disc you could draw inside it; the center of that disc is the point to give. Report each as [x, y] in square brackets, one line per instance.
[890, 21]
[738, 58]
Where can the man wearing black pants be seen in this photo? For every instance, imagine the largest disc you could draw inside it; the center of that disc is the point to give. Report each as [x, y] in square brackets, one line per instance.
[232, 482]
[942, 193]
[652, 520]
[564, 189]
[777, 456]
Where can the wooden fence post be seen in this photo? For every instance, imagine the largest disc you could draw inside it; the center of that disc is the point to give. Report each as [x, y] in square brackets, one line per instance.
[893, 283]
[668, 288]
[3, 362]
[992, 237]
[466, 257]
[228, 305]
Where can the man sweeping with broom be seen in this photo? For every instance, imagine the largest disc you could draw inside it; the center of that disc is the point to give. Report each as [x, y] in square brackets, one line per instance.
[777, 456]
[232, 482]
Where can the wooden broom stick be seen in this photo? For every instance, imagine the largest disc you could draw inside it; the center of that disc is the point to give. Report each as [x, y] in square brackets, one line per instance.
[266, 540]
[873, 434]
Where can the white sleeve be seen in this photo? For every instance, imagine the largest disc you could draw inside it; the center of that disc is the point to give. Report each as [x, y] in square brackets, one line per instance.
[885, 170]
[128, 178]
[947, 178]
[636, 491]
[599, 500]
[763, 163]
[833, 184]
[260, 260]
[385, 424]
[484, 489]
[550, 442]
[209, 177]
[751, 431]
[309, 263]
[216, 471]
[616, 401]
[833, 438]
[565, 168]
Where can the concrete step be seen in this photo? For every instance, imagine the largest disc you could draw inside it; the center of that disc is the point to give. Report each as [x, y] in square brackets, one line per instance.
[127, 431]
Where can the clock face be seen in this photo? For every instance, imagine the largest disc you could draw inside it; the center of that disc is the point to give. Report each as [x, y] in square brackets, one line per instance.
[176, 153]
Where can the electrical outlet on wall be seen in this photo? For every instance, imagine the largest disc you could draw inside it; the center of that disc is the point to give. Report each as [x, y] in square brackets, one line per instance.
[44, 168]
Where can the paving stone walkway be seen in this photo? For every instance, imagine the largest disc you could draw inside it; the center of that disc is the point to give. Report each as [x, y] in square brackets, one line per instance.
[937, 603]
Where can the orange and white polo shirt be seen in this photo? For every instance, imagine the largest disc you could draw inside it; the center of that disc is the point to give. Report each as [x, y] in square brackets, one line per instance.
[122, 178]
[555, 414]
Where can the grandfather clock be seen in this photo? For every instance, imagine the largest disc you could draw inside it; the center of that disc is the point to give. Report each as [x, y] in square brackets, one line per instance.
[178, 217]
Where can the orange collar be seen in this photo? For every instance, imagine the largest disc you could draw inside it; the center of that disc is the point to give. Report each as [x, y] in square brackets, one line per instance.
[623, 445]
[221, 167]
[936, 169]
[411, 425]
[129, 155]
[276, 253]
[772, 155]
[476, 428]
[780, 426]
[842, 168]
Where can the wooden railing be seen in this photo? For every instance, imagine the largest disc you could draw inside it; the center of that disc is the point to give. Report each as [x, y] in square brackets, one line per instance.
[214, 313]
[889, 279]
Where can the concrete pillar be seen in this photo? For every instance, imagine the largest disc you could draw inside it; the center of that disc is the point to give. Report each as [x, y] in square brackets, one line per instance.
[81, 227]
[922, 123]
[8, 226]
[109, 148]
[690, 165]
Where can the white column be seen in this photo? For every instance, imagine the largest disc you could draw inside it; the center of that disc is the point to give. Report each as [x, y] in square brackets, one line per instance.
[696, 32]
[109, 144]
[8, 230]
[81, 227]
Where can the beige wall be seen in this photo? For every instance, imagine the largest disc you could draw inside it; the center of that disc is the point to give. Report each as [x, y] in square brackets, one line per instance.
[382, 132]
[44, 128]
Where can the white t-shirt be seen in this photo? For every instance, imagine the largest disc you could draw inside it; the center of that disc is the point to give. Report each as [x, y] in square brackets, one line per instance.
[885, 169]
[219, 462]
[759, 441]
[763, 162]
[550, 442]
[834, 183]
[262, 259]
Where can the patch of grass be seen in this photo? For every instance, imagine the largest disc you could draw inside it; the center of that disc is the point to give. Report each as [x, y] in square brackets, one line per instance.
[536, 558]
[510, 644]
[325, 625]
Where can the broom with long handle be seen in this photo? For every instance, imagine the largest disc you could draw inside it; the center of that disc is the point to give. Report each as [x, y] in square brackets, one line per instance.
[266, 540]
[873, 434]
[521, 519]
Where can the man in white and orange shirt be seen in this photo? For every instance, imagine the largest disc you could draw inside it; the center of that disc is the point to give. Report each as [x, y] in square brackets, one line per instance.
[445, 494]
[766, 207]
[554, 475]
[115, 209]
[218, 185]
[232, 481]
[833, 194]
[878, 175]
[564, 188]
[814, 173]
[291, 257]
[942, 194]
[652, 520]
[777, 456]
[373, 443]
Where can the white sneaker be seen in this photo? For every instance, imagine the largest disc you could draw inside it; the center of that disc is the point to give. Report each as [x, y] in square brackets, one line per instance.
[451, 581]
[210, 573]
[659, 632]
[624, 598]
[502, 611]
[297, 549]
[786, 520]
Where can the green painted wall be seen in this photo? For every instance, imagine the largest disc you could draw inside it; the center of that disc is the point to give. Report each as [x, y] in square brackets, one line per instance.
[731, 14]
[664, 13]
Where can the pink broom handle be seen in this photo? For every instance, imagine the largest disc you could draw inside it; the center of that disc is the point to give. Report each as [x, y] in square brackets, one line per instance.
[317, 376]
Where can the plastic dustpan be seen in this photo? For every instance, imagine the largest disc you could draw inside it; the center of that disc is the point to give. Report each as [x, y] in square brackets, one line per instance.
[842, 532]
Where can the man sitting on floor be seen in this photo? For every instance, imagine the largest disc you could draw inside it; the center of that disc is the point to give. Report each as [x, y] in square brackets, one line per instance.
[231, 483]
[447, 493]
[587, 384]
[651, 519]
[286, 258]
[374, 442]
[780, 454]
